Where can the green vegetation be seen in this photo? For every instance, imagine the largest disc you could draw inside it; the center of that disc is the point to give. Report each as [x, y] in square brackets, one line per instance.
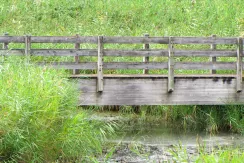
[126, 18]
[39, 119]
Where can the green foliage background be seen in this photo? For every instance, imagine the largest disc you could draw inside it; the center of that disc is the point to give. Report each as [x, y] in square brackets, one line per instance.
[116, 17]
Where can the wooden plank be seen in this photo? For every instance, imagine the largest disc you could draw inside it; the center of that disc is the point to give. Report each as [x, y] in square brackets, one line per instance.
[64, 52]
[226, 77]
[13, 51]
[63, 39]
[13, 39]
[76, 58]
[27, 45]
[171, 67]
[203, 40]
[70, 65]
[239, 65]
[141, 65]
[114, 39]
[100, 64]
[155, 92]
[93, 52]
[146, 59]
[205, 53]
[136, 40]
[213, 59]
[5, 44]
[121, 53]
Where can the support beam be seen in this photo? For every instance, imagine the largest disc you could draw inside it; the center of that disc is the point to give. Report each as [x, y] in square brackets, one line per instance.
[213, 59]
[170, 67]
[239, 65]
[76, 58]
[5, 45]
[27, 45]
[100, 64]
[146, 58]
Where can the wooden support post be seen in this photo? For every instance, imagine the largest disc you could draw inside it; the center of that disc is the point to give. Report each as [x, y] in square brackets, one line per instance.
[239, 64]
[171, 67]
[213, 59]
[5, 45]
[100, 64]
[27, 47]
[146, 59]
[76, 58]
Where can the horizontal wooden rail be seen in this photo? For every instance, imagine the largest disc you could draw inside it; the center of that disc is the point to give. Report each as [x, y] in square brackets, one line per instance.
[120, 40]
[122, 53]
[143, 65]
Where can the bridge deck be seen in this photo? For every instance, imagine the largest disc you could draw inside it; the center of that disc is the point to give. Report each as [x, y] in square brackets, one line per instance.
[152, 90]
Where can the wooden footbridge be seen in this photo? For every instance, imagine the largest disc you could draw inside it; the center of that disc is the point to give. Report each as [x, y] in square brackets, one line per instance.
[142, 70]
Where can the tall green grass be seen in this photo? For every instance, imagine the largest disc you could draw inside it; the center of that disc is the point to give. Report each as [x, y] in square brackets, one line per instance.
[39, 119]
[115, 17]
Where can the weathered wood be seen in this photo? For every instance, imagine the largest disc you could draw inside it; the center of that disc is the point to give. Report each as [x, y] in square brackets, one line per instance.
[64, 39]
[64, 52]
[100, 64]
[27, 45]
[141, 65]
[5, 45]
[13, 39]
[203, 40]
[156, 76]
[171, 67]
[93, 52]
[12, 51]
[213, 59]
[197, 91]
[146, 59]
[122, 40]
[205, 53]
[136, 40]
[239, 65]
[121, 53]
[76, 58]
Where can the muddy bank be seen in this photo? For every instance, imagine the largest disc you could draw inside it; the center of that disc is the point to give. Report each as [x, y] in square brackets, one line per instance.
[144, 141]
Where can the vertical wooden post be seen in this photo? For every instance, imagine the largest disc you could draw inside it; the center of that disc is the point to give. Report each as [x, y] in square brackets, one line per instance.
[239, 64]
[27, 47]
[76, 58]
[5, 45]
[213, 59]
[100, 64]
[146, 59]
[171, 67]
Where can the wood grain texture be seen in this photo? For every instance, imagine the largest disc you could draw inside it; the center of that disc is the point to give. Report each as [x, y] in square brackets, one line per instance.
[203, 40]
[76, 58]
[213, 59]
[122, 53]
[5, 45]
[100, 64]
[146, 58]
[119, 39]
[188, 91]
[171, 64]
[239, 65]
[142, 65]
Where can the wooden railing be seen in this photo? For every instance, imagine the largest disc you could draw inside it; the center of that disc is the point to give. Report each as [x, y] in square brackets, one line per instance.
[170, 51]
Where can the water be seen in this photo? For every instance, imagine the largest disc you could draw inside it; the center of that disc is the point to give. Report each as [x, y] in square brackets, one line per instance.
[154, 141]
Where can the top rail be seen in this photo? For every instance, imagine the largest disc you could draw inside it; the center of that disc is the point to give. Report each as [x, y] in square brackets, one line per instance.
[120, 40]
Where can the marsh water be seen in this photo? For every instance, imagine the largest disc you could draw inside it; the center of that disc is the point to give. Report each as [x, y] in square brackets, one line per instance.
[157, 141]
